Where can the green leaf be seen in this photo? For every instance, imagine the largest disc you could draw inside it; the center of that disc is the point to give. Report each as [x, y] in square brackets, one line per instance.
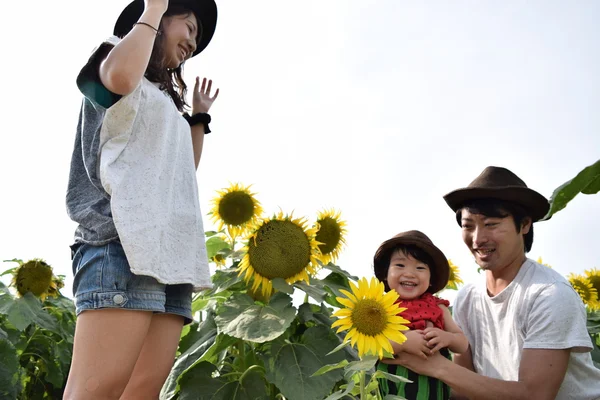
[214, 245]
[341, 393]
[292, 365]
[207, 333]
[312, 290]
[595, 352]
[340, 347]
[202, 303]
[199, 384]
[593, 328]
[335, 268]
[393, 397]
[17, 260]
[586, 182]
[26, 310]
[240, 317]
[9, 271]
[593, 316]
[9, 370]
[210, 233]
[330, 367]
[365, 364]
[224, 279]
[281, 285]
[336, 281]
[390, 377]
[192, 335]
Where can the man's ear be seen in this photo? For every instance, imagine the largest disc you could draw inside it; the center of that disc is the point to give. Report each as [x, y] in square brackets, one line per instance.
[526, 225]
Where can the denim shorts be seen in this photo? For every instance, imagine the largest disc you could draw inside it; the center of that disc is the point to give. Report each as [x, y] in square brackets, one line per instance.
[103, 279]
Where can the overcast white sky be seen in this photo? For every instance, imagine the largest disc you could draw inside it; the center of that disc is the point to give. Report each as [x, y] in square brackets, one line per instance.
[376, 108]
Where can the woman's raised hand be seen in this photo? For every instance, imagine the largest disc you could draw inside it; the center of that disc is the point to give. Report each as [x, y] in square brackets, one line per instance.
[159, 5]
[202, 100]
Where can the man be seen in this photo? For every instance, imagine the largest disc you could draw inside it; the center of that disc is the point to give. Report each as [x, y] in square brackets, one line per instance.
[526, 326]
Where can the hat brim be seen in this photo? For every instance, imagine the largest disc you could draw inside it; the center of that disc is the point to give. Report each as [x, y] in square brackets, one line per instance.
[536, 204]
[204, 10]
[442, 268]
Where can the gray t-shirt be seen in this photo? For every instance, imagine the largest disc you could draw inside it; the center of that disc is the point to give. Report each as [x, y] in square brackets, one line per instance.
[538, 310]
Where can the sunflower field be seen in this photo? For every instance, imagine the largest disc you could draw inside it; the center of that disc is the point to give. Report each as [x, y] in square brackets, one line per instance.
[282, 320]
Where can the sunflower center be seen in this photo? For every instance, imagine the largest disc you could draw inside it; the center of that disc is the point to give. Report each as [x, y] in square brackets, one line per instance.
[236, 208]
[34, 277]
[280, 249]
[329, 234]
[369, 317]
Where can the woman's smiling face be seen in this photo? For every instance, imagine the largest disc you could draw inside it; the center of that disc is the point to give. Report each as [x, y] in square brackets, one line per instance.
[181, 32]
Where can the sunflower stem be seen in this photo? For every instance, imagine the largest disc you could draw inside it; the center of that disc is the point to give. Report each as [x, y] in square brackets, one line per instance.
[306, 298]
[363, 392]
[242, 350]
[251, 368]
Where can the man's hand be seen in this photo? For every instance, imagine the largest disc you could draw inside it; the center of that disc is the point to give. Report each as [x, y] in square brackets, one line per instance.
[437, 339]
[430, 366]
[415, 344]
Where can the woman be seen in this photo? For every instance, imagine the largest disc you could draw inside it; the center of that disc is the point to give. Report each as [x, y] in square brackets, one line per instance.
[139, 248]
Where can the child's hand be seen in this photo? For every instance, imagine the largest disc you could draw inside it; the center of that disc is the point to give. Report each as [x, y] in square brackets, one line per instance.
[202, 99]
[416, 344]
[437, 339]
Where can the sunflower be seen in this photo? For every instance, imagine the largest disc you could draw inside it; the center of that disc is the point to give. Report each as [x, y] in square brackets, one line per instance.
[593, 276]
[330, 235]
[584, 288]
[539, 261]
[236, 208]
[371, 317]
[36, 276]
[219, 260]
[453, 277]
[279, 247]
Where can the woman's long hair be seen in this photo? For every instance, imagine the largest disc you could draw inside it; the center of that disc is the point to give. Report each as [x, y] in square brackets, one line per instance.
[170, 80]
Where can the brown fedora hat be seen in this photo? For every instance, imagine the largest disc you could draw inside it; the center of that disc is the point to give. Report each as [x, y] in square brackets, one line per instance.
[205, 11]
[440, 270]
[500, 183]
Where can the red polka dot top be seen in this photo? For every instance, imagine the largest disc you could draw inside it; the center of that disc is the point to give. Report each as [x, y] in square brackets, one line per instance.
[425, 308]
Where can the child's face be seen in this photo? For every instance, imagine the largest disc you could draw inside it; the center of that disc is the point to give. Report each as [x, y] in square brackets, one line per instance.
[407, 276]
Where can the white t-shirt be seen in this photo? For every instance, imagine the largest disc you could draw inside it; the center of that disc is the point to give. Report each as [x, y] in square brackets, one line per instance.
[147, 167]
[538, 310]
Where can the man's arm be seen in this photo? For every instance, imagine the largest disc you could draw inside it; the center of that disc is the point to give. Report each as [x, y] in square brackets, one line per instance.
[541, 373]
[465, 360]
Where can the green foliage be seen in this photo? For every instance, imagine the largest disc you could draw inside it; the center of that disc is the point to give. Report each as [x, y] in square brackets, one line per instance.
[36, 342]
[251, 347]
[240, 317]
[586, 182]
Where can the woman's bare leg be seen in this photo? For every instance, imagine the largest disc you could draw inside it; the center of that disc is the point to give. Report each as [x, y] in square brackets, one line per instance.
[156, 358]
[107, 345]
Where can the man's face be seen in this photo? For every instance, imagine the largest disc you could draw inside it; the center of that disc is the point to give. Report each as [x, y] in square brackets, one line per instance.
[494, 241]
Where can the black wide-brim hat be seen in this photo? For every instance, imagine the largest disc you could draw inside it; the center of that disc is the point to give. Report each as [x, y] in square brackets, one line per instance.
[501, 184]
[205, 11]
[440, 271]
